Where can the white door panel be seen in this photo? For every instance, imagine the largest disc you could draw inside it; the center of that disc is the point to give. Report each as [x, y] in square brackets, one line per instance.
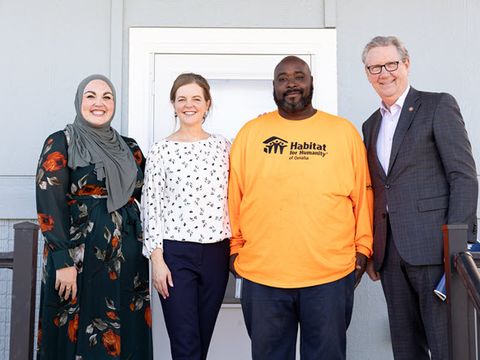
[237, 101]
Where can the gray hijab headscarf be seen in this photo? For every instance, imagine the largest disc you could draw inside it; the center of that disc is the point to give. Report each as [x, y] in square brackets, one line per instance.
[105, 148]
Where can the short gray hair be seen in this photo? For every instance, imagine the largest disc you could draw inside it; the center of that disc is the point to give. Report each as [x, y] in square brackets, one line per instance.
[381, 41]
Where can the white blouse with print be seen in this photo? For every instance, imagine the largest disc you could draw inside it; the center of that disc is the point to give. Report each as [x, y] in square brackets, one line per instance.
[185, 192]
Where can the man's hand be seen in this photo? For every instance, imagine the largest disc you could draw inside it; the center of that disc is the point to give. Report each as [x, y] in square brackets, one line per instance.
[232, 267]
[372, 274]
[66, 282]
[360, 266]
[161, 275]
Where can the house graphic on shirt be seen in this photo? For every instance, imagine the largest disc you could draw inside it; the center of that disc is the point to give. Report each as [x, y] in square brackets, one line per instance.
[276, 144]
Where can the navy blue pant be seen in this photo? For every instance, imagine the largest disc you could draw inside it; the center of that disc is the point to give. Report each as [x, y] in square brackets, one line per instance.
[272, 316]
[200, 274]
[418, 318]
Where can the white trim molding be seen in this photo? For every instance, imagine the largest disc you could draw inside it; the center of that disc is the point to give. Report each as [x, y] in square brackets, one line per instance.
[144, 43]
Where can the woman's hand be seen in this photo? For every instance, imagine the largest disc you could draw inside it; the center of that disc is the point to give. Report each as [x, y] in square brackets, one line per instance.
[66, 282]
[161, 275]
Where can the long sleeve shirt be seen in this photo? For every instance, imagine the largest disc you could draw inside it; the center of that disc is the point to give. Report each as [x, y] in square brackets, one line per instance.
[185, 192]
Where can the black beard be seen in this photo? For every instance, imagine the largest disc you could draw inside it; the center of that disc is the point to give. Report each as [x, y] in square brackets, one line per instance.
[291, 108]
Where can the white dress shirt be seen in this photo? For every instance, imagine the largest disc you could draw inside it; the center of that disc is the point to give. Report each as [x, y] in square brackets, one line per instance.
[185, 192]
[389, 123]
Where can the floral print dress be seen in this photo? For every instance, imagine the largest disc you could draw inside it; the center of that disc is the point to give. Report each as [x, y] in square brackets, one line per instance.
[110, 317]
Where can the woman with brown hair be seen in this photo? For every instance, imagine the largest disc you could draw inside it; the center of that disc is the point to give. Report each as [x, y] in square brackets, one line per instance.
[186, 221]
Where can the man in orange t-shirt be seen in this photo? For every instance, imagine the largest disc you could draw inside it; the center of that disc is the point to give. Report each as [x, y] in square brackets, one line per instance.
[300, 205]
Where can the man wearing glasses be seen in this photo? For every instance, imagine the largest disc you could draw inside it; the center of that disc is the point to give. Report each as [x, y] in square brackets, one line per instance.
[423, 176]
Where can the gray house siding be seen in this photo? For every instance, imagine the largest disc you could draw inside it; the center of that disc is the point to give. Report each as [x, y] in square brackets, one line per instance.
[48, 47]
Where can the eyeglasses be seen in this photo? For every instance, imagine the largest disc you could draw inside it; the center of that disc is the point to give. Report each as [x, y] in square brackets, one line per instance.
[377, 69]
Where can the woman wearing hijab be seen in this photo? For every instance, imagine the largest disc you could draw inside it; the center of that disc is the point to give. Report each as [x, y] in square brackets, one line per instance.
[94, 302]
[186, 221]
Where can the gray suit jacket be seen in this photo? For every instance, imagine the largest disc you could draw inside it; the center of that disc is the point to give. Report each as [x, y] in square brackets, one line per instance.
[431, 180]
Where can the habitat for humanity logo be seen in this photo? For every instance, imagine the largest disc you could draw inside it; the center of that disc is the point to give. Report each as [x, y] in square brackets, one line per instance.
[274, 144]
[297, 150]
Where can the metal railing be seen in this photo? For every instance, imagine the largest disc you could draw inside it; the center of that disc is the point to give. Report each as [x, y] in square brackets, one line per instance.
[463, 294]
[23, 262]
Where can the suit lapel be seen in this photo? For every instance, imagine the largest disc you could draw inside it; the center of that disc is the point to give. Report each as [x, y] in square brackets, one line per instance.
[373, 145]
[409, 109]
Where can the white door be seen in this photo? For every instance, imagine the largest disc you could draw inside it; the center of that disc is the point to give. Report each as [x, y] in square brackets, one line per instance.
[239, 64]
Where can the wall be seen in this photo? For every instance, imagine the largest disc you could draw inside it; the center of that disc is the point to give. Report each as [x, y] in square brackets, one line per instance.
[442, 39]
[49, 46]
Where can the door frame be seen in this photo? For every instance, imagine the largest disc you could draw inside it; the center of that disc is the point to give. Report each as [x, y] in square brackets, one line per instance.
[144, 43]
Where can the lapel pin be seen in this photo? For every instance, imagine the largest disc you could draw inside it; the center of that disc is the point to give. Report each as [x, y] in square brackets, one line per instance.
[410, 108]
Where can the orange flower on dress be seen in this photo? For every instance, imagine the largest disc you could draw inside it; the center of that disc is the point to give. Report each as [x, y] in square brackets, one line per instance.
[111, 342]
[148, 316]
[114, 242]
[112, 315]
[137, 154]
[56, 321]
[89, 190]
[73, 329]
[45, 221]
[132, 306]
[55, 161]
[112, 275]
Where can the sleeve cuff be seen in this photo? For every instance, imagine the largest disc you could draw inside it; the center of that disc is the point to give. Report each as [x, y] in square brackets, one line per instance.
[149, 246]
[364, 250]
[62, 259]
[235, 247]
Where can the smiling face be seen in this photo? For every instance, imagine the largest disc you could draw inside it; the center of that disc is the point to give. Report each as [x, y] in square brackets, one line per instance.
[98, 103]
[190, 105]
[388, 85]
[292, 87]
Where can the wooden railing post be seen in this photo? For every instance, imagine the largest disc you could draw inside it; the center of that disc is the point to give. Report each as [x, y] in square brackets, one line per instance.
[455, 241]
[24, 281]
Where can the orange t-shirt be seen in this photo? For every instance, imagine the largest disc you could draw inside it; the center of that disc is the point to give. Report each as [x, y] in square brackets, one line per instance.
[300, 200]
